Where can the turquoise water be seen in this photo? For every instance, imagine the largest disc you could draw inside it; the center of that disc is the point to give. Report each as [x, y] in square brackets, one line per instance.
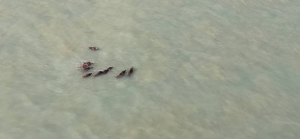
[205, 69]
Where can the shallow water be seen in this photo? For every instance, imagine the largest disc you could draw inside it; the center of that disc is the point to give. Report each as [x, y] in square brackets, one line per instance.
[209, 69]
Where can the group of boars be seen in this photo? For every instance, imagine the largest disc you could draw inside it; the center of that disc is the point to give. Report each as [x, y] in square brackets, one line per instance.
[85, 66]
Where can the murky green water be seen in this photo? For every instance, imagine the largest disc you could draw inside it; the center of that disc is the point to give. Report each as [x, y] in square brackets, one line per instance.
[205, 69]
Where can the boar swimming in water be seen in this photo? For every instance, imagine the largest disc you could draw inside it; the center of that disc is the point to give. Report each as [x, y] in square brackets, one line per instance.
[121, 74]
[130, 71]
[93, 48]
[86, 75]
